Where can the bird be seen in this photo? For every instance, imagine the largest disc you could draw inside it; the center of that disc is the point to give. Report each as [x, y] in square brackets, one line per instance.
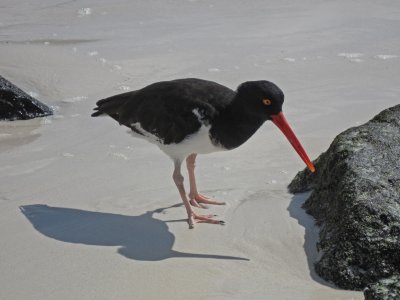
[190, 116]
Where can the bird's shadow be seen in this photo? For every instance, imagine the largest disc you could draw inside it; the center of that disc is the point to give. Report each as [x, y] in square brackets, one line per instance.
[311, 234]
[139, 237]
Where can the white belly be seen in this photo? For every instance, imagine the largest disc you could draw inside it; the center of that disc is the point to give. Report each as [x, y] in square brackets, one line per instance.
[198, 142]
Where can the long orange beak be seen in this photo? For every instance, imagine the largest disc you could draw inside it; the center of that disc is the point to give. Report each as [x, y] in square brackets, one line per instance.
[280, 121]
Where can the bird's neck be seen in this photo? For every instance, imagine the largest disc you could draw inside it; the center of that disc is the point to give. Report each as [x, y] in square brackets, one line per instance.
[235, 125]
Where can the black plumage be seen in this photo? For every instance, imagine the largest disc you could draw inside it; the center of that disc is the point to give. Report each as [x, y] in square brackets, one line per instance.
[185, 117]
[165, 109]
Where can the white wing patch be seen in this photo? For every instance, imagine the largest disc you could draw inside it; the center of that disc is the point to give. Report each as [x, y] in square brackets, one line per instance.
[200, 117]
[197, 114]
[146, 135]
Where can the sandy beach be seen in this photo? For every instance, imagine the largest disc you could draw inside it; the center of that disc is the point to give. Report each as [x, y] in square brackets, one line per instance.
[89, 212]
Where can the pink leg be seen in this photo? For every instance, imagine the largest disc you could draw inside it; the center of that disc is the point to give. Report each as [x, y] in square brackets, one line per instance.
[193, 218]
[197, 199]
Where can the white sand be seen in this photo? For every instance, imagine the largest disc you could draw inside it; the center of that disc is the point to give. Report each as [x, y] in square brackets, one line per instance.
[87, 212]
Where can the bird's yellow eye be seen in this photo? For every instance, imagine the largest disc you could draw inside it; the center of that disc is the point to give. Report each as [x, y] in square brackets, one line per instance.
[267, 102]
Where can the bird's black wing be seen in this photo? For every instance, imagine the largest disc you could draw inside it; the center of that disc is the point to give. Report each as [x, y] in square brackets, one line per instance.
[170, 110]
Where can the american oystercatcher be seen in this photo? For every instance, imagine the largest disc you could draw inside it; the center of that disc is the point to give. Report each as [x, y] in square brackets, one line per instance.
[186, 117]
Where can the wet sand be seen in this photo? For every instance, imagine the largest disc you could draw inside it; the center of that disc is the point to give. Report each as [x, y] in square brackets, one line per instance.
[88, 212]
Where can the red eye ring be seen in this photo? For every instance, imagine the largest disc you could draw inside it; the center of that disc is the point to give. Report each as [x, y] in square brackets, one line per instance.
[267, 102]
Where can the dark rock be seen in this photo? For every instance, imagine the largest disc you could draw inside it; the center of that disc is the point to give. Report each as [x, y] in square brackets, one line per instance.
[385, 289]
[355, 200]
[15, 104]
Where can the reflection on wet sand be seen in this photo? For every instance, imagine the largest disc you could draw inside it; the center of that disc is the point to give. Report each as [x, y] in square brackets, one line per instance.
[17, 133]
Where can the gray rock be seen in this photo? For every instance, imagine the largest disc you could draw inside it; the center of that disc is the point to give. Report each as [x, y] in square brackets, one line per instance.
[15, 104]
[385, 289]
[355, 200]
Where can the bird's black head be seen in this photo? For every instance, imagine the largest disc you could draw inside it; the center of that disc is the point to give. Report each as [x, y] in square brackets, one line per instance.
[261, 97]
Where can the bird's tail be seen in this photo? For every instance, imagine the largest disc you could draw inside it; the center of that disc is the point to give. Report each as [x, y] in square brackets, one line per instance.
[109, 106]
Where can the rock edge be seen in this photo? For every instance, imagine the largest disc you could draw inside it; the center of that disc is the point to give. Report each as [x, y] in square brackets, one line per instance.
[15, 104]
[355, 200]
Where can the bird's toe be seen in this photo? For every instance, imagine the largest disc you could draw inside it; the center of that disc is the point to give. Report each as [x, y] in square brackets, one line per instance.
[206, 200]
[195, 218]
[196, 203]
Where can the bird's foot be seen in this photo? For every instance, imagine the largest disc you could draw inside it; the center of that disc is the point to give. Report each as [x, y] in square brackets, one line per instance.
[195, 218]
[200, 201]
